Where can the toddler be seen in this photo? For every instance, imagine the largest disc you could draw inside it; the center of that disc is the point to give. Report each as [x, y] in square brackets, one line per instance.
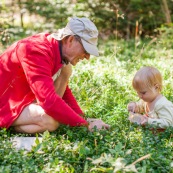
[152, 108]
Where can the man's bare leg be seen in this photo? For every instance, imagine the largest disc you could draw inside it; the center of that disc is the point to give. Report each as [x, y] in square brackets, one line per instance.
[62, 80]
[33, 119]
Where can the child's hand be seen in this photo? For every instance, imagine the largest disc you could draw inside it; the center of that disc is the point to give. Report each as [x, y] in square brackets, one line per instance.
[135, 118]
[131, 107]
[144, 119]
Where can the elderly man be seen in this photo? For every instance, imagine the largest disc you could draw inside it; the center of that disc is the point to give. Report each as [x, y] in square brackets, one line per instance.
[34, 73]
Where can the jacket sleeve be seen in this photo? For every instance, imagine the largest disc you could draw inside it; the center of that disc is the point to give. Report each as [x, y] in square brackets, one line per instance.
[37, 65]
[69, 98]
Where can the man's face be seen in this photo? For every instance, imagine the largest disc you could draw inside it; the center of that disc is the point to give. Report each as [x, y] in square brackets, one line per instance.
[73, 51]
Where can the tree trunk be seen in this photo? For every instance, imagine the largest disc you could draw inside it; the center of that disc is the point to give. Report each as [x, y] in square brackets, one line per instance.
[166, 11]
[21, 13]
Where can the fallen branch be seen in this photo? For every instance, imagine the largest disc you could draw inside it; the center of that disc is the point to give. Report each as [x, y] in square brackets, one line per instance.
[142, 158]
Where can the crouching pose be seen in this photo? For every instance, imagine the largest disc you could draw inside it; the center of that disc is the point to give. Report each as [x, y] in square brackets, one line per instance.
[30, 100]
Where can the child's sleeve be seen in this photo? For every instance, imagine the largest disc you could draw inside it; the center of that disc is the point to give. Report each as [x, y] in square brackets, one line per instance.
[165, 114]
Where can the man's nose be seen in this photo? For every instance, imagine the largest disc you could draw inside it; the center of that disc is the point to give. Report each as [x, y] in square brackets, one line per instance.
[87, 56]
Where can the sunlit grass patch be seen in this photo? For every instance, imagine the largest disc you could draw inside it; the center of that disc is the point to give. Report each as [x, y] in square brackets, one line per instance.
[103, 88]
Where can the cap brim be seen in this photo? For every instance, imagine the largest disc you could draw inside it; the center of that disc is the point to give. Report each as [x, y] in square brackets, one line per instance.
[90, 48]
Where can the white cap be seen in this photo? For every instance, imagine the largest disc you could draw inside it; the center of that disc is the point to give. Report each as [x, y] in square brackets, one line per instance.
[85, 29]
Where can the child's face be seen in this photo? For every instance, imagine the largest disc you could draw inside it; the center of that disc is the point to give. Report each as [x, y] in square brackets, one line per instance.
[148, 94]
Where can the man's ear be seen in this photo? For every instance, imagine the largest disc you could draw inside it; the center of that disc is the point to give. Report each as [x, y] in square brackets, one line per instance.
[70, 38]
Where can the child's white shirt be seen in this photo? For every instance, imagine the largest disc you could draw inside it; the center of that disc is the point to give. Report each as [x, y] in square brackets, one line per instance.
[161, 115]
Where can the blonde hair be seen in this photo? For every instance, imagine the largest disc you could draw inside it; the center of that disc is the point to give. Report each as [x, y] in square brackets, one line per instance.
[147, 77]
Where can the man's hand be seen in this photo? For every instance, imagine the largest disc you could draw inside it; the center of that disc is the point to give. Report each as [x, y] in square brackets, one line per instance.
[96, 123]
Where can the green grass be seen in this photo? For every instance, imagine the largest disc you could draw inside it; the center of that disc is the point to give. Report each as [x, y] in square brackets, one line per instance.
[103, 88]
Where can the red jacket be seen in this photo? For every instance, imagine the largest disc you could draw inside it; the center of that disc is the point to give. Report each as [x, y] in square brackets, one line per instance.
[26, 70]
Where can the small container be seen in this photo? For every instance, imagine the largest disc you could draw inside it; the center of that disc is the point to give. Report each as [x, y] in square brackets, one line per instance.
[135, 118]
